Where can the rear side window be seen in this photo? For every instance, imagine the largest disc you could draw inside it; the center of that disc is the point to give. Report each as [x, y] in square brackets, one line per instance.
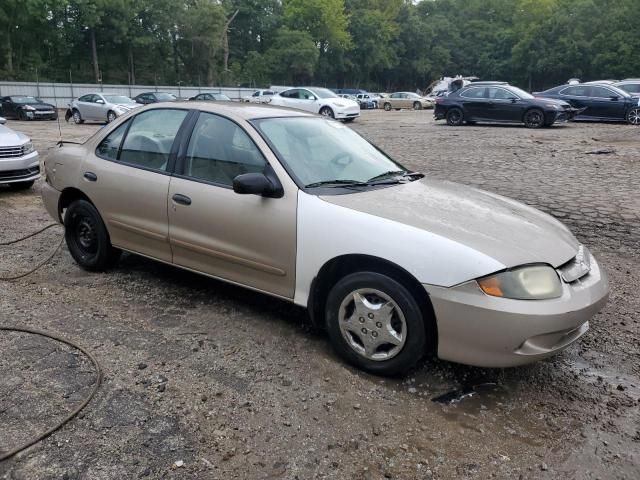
[473, 93]
[220, 150]
[109, 147]
[150, 138]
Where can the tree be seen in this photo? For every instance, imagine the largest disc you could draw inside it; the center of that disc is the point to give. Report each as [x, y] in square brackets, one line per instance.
[293, 56]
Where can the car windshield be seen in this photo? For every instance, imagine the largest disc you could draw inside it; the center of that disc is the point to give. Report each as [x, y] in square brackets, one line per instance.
[118, 99]
[317, 151]
[25, 100]
[165, 96]
[324, 93]
[521, 93]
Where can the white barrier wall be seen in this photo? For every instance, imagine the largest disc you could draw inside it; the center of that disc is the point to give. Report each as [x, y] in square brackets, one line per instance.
[60, 94]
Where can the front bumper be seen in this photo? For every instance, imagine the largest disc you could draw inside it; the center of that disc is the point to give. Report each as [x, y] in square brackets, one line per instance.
[350, 112]
[41, 114]
[20, 169]
[485, 331]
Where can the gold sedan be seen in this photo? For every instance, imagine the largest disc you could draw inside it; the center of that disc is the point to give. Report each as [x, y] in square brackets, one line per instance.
[400, 100]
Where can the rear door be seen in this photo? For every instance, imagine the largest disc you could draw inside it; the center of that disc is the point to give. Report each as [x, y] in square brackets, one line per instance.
[579, 97]
[247, 239]
[474, 103]
[127, 178]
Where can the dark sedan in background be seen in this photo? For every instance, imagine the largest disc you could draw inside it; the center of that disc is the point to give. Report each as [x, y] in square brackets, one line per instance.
[211, 97]
[630, 85]
[154, 97]
[500, 102]
[24, 107]
[602, 101]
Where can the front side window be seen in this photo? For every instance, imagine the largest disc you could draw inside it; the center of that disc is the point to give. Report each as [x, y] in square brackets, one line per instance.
[220, 150]
[577, 91]
[150, 138]
[601, 92]
[306, 95]
[318, 150]
[109, 147]
[85, 98]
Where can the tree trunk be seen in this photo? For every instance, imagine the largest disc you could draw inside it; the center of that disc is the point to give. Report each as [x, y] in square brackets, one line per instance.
[9, 54]
[132, 67]
[225, 40]
[94, 54]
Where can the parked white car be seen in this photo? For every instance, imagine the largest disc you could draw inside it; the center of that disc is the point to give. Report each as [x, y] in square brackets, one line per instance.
[19, 164]
[318, 100]
[101, 107]
[259, 96]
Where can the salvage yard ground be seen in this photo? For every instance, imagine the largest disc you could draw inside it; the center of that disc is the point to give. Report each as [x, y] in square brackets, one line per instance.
[207, 380]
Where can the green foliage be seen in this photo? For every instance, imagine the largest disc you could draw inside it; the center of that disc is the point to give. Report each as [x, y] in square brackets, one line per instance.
[377, 44]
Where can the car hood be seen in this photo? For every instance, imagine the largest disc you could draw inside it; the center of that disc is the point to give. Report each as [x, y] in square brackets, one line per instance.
[9, 138]
[128, 106]
[542, 101]
[345, 102]
[508, 231]
[39, 106]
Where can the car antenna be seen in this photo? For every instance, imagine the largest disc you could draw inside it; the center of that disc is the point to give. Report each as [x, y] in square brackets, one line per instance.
[55, 101]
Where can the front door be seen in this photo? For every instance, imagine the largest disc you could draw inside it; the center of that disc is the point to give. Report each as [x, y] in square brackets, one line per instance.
[246, 239]
[503, 106]
[607, 103]
[127, 178]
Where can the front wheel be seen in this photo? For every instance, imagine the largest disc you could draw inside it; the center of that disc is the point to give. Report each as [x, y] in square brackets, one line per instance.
[417, 106]
[387, 107]
[633, 117]
[111, 116]
[87, 237]
[326, 112]
[534, 118]
[455, 117]
[77, 118]
[375, 323]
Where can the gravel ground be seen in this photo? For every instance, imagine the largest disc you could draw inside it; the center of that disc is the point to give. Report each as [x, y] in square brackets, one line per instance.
[207, 380]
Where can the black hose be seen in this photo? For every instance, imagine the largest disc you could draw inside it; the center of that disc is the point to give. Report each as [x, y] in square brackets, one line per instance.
[98, 381]
[39, 265]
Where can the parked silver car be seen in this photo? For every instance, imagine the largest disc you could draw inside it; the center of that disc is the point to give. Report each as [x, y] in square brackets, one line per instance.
[19, 165]
[101, 107]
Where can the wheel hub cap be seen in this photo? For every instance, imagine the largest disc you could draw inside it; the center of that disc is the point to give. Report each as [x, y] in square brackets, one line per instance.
[86, 235]
[372, 324]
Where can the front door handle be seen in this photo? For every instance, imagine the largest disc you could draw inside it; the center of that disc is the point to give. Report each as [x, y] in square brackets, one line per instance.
[181, 199]
[92, 177]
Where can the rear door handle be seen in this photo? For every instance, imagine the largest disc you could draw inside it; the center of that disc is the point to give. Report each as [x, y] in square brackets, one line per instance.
[181, 199]
[92, 177]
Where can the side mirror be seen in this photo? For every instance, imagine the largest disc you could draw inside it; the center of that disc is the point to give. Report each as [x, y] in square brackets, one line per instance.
[514, 100]
[101, 102]
[614, 98]
[258, 184]
[3, 120]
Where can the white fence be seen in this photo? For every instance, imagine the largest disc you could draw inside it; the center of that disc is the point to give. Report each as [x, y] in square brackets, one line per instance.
[60, 94]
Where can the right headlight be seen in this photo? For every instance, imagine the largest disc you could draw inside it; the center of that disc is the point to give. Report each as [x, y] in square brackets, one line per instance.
[532, 282]
[27, 148]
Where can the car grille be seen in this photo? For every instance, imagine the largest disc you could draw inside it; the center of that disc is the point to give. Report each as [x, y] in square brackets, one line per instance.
[11, 152]
[18, 174]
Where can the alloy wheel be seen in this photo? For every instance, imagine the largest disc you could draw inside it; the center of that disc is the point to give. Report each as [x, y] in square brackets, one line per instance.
[111, 117]
[372, 324]
[76, 117]
[634, 116]
[534, 119]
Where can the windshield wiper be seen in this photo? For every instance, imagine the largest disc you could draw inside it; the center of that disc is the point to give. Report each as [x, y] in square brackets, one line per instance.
[337, 183]
[394, 175]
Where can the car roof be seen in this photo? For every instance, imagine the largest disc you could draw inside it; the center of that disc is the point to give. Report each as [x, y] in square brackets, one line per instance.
[629, 80]
[243, 110]
[487, 82]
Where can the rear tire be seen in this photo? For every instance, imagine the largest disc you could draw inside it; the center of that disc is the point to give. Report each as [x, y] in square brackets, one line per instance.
[533, 118]
[455, 117]
[394, 315]
[87, 237]
[77, 118]
[633, 117]
[21, 185]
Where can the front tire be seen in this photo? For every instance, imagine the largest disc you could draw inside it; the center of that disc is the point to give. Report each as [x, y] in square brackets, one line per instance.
[375, 323]
[633, 117]
[87, 237]
[417, 106]
[327, 112]
[111, 116]
[455, 117]
[387, 107]
[534, 118]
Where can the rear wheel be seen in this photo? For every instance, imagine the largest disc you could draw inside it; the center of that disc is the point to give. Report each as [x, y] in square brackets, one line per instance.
[87, 237]
[534, 118]
[21, 185]
[387, 107]
[455, 117]
[417, 106]
[77, 118]
[633, 117]
[327, 112]
[375, 323]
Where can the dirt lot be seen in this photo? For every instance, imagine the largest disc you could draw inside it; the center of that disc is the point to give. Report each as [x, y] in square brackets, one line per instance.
[235, 384]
